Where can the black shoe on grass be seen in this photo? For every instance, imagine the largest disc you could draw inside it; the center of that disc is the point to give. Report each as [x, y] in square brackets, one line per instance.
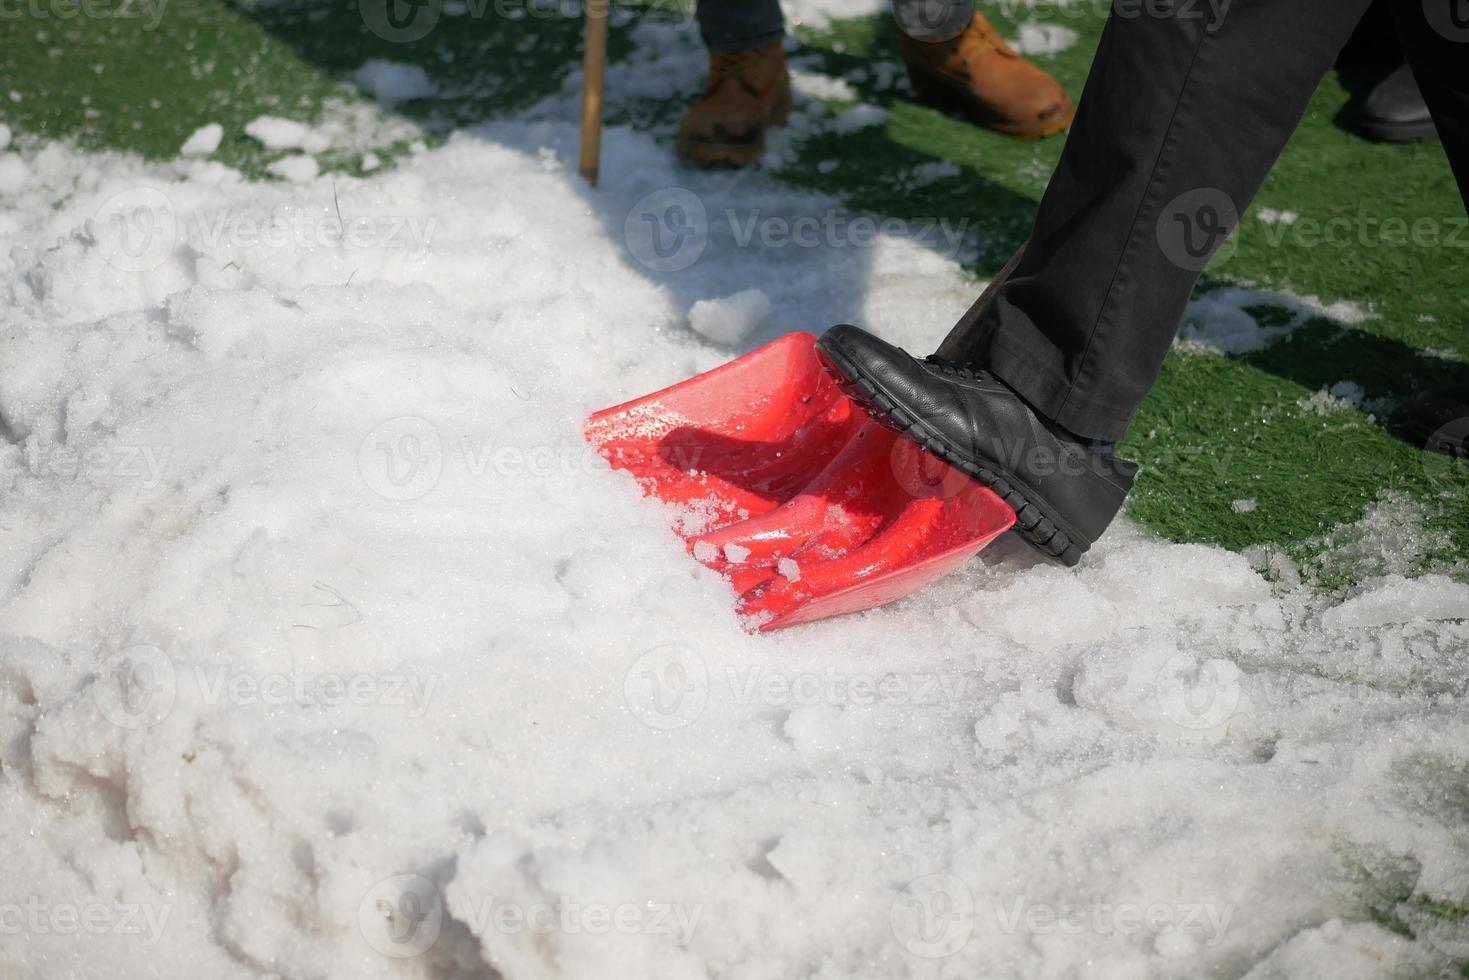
[1063, 492]
[1393, 111]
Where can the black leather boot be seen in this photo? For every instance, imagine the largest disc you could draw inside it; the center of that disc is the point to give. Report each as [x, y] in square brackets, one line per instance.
[1064, 493]
[1393, 111]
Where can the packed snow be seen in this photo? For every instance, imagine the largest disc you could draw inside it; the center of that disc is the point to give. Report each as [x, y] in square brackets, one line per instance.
[330, 651]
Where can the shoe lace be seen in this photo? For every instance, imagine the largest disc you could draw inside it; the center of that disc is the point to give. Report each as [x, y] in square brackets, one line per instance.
[953, 368]
[732, 66]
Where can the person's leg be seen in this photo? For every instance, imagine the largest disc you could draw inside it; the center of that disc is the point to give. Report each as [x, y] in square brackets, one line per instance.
[1180, 120]
[1435, 35]
[738, 25]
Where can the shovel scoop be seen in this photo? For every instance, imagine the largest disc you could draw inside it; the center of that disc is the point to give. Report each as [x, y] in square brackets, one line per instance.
[789, 490]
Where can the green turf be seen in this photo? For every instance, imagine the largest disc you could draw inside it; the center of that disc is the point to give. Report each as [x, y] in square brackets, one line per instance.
[1216, 430]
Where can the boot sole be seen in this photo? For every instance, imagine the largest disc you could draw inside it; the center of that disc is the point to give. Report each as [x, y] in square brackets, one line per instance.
[1038, 528]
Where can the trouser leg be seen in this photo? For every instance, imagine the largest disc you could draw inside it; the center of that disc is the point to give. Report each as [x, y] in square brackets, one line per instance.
[1435, 35]
[736, 25]
[1180, 120]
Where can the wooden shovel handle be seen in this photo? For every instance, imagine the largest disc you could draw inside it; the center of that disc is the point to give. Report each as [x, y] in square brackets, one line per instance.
[594, 73]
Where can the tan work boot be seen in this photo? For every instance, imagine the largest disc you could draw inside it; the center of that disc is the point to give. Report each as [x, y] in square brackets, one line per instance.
[747, 92]
[980, 75]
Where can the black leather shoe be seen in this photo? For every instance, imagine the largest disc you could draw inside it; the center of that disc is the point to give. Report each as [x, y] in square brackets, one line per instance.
[1439, 419]
[1393, 111]
[1063, 492]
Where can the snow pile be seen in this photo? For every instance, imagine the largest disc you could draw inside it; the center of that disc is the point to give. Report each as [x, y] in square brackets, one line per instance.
[731, 319]
[329, 651]
[391, 82]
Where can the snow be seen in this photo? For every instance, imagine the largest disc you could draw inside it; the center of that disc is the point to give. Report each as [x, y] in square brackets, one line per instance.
[327, 649]
[1036, 38]
[5, 136]
[297, 168]
[391, 82]
[730, 319]
[203, 141]
[275, 133]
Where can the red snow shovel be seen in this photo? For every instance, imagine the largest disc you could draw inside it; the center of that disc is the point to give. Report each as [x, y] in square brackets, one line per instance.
[788, 489]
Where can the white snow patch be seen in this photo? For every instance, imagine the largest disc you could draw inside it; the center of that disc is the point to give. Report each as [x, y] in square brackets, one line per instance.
[298, 168]
[1271, 216]
[1395, 599]
[203, 141]
[5, 136]
[859, 117]
[275, 133]
[1036, 38]
[730, 319]
[1245, 505]
[392, 82]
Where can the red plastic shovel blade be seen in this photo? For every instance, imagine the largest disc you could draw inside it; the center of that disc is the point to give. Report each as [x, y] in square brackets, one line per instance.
[811, 509]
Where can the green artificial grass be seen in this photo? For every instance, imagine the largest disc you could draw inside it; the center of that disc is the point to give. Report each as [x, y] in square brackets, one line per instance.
[1378, 226]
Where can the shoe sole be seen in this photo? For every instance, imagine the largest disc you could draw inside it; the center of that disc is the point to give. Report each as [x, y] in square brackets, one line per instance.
[1380, 131]
[1038, 528]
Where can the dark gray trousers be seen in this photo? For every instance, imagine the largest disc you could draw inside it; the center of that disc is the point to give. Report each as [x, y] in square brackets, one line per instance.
[1184, 113]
